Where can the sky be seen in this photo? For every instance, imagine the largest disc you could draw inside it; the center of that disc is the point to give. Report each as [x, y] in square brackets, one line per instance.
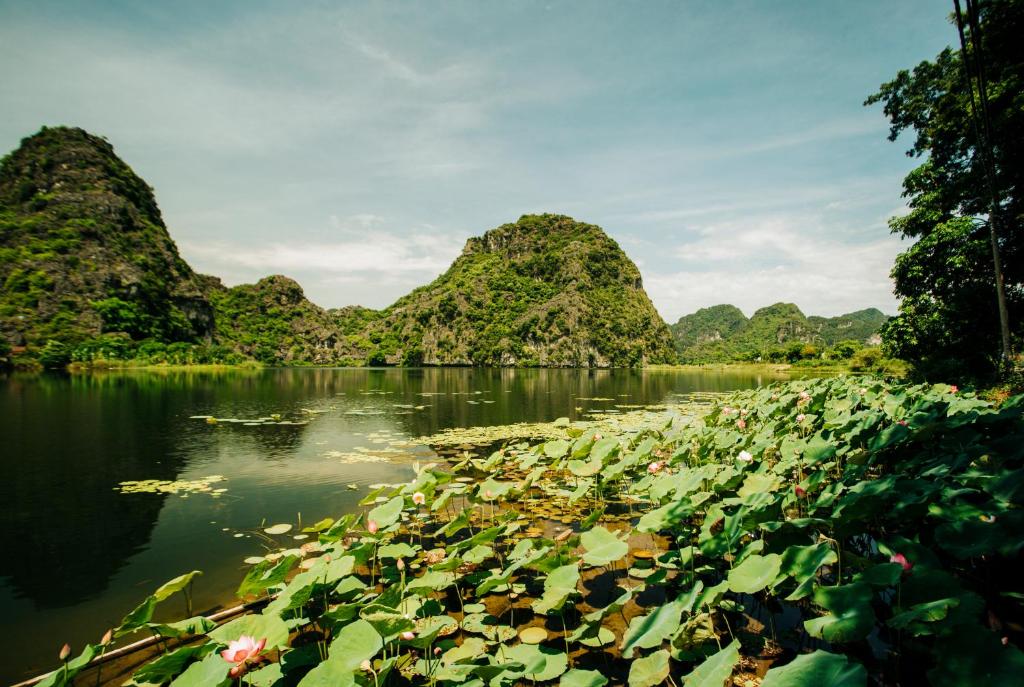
[355, 146]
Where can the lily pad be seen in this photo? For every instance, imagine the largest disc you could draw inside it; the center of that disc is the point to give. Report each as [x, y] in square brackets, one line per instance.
[533, 635]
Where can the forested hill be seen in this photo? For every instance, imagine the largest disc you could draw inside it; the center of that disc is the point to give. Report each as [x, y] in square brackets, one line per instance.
[781, 331]
[89, 272]
[545, 290]
[84, 250]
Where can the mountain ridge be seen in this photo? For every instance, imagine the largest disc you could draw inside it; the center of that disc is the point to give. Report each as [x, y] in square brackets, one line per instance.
[91, 272]
[722, 333]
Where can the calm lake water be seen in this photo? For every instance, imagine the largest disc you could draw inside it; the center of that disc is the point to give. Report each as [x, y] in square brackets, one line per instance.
[79, 554]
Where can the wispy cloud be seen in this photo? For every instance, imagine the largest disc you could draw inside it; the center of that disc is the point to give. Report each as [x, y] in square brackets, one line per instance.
[775, 260]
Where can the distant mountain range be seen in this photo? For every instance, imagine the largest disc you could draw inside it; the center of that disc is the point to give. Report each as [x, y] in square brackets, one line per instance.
[722, 333]
[86, 261]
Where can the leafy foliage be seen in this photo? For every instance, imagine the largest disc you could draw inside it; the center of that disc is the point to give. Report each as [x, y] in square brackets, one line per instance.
[948, 323]
[864, 510]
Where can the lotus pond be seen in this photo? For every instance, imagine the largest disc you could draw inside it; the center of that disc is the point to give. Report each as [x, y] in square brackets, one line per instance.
[116, 481]
[829, 532]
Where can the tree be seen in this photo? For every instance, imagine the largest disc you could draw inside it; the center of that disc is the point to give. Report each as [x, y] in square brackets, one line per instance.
[948, 321]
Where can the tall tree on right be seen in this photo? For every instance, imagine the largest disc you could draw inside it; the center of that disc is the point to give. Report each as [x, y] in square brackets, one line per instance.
[948, 324]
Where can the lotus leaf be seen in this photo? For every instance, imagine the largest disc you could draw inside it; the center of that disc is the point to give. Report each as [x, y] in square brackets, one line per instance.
[254, 625]
[539, 663]
[850, 614]
[387, 514]
[583, 678]
[715, 670]
[558, 587]
[602, 547]
[649, 670]
[649, 631]
[210, 672]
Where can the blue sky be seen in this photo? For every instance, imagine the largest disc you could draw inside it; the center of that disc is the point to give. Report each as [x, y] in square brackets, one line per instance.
[354, 146]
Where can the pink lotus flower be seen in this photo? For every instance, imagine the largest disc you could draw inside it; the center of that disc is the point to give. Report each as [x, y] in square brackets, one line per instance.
[745, 456]
[655, 467]
[902, 560]
[953, 388]
[65, 651]
[408, 636]
[400, 564]
[726, 410]
[799, 491]
[241, 651]
[108, 636]
[418, 498]
[801, 417]
[372, 527]
[804, 395]
[437, 651]
[742, 424]
[366, 666]
[488, 494]
[901, 422]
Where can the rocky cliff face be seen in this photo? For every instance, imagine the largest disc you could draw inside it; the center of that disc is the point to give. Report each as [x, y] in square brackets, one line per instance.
[84, 250]
[545, 290]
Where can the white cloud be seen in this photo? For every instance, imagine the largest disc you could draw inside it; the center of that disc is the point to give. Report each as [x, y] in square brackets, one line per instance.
[771, 261]
[382, 253]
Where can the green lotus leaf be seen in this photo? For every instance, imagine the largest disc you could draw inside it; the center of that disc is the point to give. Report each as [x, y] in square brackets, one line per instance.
[471, 649]
[715, 670]
[754, 573]
[559, 586]
[387, 514]
[603, 449]
[399, 550]
[175, 585]
[585, 468]
[649, 670]
[197, 625]
[583, 678]
[556, 449]
[802, 564]
[649, 631]
[267, 676]
[431, 581]
[212, 671]
[850, 616]
[602, 547]
[169, 665]
[539, 662]
[818, 668]
[256, 625]
[758, 483]
[386, 621]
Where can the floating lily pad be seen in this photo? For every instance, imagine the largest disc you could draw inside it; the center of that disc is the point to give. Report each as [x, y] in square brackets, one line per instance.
[278, 529]
[533, 635]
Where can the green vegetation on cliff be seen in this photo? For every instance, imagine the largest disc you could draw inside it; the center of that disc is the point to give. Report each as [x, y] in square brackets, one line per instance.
[775, 333]
[273, 322]
[91, 275]
[84, 250]
[546, 290]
